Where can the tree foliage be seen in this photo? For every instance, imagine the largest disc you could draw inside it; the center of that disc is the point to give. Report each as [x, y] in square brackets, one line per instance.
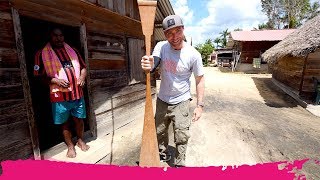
[237, 29]
[274, 10]
[295, 11]
[217, 41]
[205, 50]
[264, 26]
[288, 13]
[313, 10]
[224, 35]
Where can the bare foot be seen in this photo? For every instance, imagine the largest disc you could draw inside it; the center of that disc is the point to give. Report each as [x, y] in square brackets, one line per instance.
[71, 152]
[82, 145]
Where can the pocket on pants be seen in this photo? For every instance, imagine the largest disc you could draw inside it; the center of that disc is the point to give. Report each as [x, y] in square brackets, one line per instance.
[183, 119]
[184, 108]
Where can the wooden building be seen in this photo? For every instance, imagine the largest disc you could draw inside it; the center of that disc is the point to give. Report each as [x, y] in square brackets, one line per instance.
[108, 34]
[224, 57]
[296, 59]
[251, 44]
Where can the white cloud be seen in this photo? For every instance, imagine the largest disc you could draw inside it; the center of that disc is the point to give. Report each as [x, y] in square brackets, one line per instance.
[182, 9]
[222, 14]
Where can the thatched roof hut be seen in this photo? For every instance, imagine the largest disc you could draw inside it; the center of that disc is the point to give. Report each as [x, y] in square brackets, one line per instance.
[300, 43]
[296, 60]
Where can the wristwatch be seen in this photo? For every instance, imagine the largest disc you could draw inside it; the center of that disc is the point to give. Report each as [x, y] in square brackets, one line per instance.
[201, 104]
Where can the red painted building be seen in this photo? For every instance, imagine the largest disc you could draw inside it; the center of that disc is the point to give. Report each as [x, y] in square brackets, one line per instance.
[251, 44]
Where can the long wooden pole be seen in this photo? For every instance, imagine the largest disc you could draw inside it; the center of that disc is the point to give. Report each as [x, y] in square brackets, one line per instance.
[149, 153]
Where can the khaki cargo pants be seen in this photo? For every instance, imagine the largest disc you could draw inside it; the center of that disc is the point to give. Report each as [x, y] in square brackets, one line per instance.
[180, 116]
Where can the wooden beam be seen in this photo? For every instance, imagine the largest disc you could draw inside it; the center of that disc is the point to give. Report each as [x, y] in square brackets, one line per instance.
[8, 92]
[47, 13]
[105, 73]
[8, 57]
[25, 84]
[10, 76]
[97, 64]
[105, 56]
[84, 47]
[81, 11]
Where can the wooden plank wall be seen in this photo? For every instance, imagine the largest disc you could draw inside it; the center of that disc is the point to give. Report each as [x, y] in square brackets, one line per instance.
[252, 49]
[15, 135]
[127, 8]
[115, 107]
[106, 51]
[136, 51]
[312, 70]
[288, 70]
[115, 102]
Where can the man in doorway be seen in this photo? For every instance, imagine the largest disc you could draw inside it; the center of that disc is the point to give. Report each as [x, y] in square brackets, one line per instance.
[63, 69]
[178, 61]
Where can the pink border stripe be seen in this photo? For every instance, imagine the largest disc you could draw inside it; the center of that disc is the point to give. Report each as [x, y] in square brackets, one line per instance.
[46, 170]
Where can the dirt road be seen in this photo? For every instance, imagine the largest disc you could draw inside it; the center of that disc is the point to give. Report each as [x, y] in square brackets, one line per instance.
[247, 120]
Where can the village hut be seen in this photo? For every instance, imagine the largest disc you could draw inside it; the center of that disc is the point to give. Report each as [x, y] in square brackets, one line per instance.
[252, 44]
[108, 33]
[249, 45]
[296, 60]
[224, 56]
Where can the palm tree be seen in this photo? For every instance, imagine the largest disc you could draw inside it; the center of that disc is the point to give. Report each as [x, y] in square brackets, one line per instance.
[209, 41]
[217, 41]
[224, 35]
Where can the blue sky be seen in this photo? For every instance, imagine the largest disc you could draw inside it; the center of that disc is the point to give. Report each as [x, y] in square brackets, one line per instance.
[204, 19]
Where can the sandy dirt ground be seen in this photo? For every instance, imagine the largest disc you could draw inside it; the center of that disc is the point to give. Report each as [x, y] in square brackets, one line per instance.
[246, 120]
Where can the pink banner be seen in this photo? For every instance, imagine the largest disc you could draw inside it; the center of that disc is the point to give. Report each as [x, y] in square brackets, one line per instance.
[31, 169]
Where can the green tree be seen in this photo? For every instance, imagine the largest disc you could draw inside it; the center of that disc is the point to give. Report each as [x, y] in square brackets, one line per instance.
[237, 29]
[289, 13]
[217, 41]
[264, 26]
[295, 12]
[313, 10]
[274, 11]
[205, 50]
[224, 34]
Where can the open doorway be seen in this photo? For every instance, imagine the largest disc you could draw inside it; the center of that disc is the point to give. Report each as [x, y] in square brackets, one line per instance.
[35, 35]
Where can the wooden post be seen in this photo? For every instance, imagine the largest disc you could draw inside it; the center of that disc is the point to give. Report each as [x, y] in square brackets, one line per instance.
[84, 46]
[302, 75]
[149, 154]
[25, 84]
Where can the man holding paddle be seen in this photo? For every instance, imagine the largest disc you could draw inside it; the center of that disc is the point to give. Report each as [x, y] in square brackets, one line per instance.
[178, 60]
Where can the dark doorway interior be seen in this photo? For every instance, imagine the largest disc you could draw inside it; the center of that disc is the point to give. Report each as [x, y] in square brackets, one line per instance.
[35, 35]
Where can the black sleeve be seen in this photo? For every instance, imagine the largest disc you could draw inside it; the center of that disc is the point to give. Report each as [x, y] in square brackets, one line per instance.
[157, 61]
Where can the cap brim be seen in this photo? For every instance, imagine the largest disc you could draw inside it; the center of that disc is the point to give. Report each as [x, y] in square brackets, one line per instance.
[172, 27]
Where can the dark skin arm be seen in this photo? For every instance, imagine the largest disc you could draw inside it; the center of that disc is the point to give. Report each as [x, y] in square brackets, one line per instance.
[60, 82]
[65, 84]
[82, 78]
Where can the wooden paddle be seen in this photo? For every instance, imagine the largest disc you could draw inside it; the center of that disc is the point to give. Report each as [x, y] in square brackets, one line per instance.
[149, 153]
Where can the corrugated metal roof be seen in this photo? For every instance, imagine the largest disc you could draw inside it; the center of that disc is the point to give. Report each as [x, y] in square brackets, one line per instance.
[164, 9]
[224, 50]
[264, 35]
